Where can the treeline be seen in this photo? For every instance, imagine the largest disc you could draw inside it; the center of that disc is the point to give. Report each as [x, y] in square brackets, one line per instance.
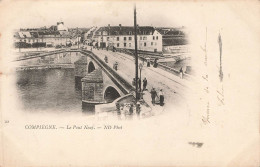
[28, 45]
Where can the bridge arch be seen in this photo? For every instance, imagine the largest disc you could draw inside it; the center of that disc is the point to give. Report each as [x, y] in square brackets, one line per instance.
[110, 94]
[91, 67]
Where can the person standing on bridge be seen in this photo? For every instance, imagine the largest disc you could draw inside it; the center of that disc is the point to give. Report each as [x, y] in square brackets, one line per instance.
[161, 96]
[138, 108]
[116, 65]
[153, 95]
[155, 64]
[106, 59]
[144, 84]
[181, 73]
[148, 61]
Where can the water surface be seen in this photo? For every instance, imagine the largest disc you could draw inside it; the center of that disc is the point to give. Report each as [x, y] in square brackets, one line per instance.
[49, 90]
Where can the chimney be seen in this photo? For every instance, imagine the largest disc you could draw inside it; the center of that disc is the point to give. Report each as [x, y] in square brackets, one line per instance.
[108, 25]
[120, 25]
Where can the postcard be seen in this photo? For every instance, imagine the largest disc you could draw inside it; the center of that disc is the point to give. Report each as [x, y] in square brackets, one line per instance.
[129, 83]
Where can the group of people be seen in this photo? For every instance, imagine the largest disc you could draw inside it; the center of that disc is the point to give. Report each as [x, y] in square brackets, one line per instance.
[155, 63]
[139, 83]
[128, 109]
[115, 65]
[160, 95]
[153, 92]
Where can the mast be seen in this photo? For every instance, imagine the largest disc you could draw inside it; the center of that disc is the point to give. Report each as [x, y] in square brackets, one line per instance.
[136, 58]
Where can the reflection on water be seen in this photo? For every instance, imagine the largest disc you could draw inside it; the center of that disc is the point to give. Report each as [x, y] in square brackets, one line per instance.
[49, 90]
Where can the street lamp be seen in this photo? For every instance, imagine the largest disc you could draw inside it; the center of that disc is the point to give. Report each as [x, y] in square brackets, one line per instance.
[78, 36]
[140, 82]
[136, 57]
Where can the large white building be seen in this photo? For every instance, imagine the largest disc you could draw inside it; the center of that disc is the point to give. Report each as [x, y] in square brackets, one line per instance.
[148, 38]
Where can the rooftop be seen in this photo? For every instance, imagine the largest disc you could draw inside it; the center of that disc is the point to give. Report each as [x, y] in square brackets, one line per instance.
[125, 30]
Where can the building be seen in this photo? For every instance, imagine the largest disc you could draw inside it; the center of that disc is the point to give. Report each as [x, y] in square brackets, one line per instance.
[174, 40]
[123, 37]
[57, 35]
[148, 38]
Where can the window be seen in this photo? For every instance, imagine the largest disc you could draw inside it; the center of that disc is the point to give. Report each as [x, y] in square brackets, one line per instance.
[107, 38]
[153, 37]
[144, 38]
[124, 44]
[117, 38]
[129, 44]
[130, 32]
[140, 38]
[156, 37]
[29, 40]
[145, 44]
[117, 44]
[124, 38]
[130, 38]
[151, 43]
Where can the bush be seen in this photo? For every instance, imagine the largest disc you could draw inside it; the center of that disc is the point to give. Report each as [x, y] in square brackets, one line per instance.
[22, 45]
[38, 44]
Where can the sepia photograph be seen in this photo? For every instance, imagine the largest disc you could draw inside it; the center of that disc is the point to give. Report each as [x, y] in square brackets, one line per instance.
[129, 83]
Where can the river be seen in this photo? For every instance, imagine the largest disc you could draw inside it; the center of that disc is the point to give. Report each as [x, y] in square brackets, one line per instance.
[49, 90]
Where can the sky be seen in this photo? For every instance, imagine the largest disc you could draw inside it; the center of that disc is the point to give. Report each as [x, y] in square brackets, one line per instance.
[100, 13]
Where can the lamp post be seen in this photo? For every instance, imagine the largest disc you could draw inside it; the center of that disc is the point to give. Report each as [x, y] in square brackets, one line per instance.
[136, 57]
[140, 82]
[78, 36]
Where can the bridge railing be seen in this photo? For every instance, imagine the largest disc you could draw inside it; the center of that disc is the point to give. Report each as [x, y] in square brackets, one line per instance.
[123, 85]
[143, 55]
[41, 54]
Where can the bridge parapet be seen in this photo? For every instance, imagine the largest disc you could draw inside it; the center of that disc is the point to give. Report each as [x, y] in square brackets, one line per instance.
[120, 82]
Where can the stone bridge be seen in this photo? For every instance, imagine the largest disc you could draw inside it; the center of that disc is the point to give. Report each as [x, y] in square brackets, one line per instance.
[99, 83]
